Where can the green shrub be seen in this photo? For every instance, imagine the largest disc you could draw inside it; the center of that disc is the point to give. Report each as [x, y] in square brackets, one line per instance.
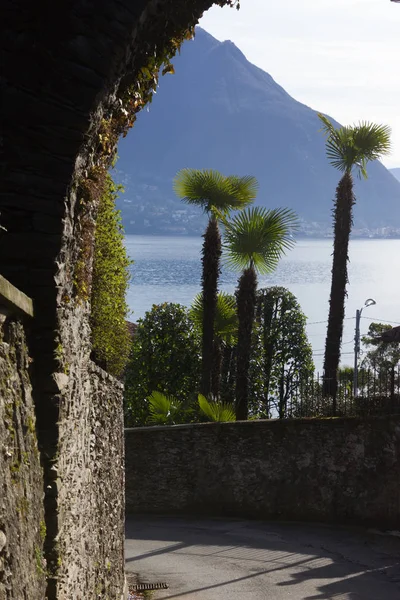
[110, 336]
[165, 358]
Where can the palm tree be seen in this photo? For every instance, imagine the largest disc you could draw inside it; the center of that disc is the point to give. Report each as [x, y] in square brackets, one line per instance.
[346, 148]
[255, 240]
[216, 194]
[225, 330]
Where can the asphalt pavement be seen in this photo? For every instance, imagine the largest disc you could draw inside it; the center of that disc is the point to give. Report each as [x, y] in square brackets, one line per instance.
[220, 559]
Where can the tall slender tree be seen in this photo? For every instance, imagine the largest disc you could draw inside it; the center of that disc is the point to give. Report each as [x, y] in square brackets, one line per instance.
[347, 148]
[216, 194]
[255, 240]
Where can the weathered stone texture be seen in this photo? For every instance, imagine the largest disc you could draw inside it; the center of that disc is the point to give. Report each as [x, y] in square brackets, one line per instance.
[327, 470]
[85, 480]
[22, 528]
[91, 488]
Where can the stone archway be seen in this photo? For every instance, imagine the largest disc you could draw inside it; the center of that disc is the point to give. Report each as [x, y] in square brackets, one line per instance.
[67, 68]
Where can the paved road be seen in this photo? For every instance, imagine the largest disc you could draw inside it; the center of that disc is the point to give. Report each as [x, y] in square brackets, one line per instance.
[215, 559]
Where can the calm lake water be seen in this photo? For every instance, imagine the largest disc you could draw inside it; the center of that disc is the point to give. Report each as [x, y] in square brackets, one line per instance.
[168, 269]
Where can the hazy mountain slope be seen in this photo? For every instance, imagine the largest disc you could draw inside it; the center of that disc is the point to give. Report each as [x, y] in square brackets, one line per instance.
[396, 173]
[219, 111]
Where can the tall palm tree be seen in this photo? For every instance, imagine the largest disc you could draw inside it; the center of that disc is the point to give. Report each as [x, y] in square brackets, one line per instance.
[225, 330]
[216, 194]
[255, 240]
[346, 148]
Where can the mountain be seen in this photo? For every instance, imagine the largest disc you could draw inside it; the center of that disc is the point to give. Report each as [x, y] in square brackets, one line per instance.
[396, 173]
[219, 111]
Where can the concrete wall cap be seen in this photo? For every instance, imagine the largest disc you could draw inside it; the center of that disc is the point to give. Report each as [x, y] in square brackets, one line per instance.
[14, 300]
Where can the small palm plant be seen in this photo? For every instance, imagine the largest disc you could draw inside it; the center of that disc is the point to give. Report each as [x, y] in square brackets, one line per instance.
[217, 411]
[225, 331]
[216, 194]
[255, 240]
[164, 410]
[347, 148]
[167, 410]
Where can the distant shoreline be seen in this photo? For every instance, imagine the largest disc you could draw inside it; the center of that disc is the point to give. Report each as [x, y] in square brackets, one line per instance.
[298, 237]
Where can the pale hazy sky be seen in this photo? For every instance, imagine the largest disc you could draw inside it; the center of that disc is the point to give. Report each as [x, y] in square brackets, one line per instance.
[341, 57]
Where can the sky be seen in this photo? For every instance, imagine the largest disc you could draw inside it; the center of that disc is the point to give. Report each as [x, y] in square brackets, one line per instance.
[341, 57]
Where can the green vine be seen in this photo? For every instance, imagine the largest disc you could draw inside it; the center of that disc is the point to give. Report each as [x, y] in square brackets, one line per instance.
[110, 336]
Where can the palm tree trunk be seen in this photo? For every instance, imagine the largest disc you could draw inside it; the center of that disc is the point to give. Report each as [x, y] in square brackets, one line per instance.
[246, 302]
[211, 258]
[343, 221]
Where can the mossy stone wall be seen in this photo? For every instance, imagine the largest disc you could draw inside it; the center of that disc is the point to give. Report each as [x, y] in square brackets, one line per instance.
[22, 526]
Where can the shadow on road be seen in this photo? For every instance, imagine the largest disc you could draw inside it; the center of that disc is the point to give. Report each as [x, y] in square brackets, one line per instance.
[318, 562]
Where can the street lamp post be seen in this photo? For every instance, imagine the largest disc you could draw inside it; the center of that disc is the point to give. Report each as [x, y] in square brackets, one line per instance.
[369, 302]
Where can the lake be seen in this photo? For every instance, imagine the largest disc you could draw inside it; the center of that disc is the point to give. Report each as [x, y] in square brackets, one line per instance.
[168, 269]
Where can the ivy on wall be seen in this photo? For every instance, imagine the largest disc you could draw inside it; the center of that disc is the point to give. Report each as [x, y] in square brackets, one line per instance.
[110, 336]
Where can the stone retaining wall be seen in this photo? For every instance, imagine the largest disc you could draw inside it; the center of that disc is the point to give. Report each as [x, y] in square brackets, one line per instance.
[91, 489]
[22, 526]
[325, 470]
[85, 489]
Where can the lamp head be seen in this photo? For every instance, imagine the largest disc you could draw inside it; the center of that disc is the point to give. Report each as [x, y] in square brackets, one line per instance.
[369, 302]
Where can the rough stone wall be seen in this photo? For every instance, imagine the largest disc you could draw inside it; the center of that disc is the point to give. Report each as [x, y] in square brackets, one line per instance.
[87, 483]
[91, 493]
[327, 470]
[22, 527]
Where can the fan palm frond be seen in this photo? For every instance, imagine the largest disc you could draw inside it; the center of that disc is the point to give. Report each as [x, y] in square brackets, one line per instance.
[355, 146]
[226, 320]
[217, 411]
[163, 409]
[244, 188]
[260, 237]
[372, 142]
[213, 191]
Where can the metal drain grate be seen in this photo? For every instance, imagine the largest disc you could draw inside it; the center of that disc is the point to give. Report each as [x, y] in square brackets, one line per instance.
[147, 587]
